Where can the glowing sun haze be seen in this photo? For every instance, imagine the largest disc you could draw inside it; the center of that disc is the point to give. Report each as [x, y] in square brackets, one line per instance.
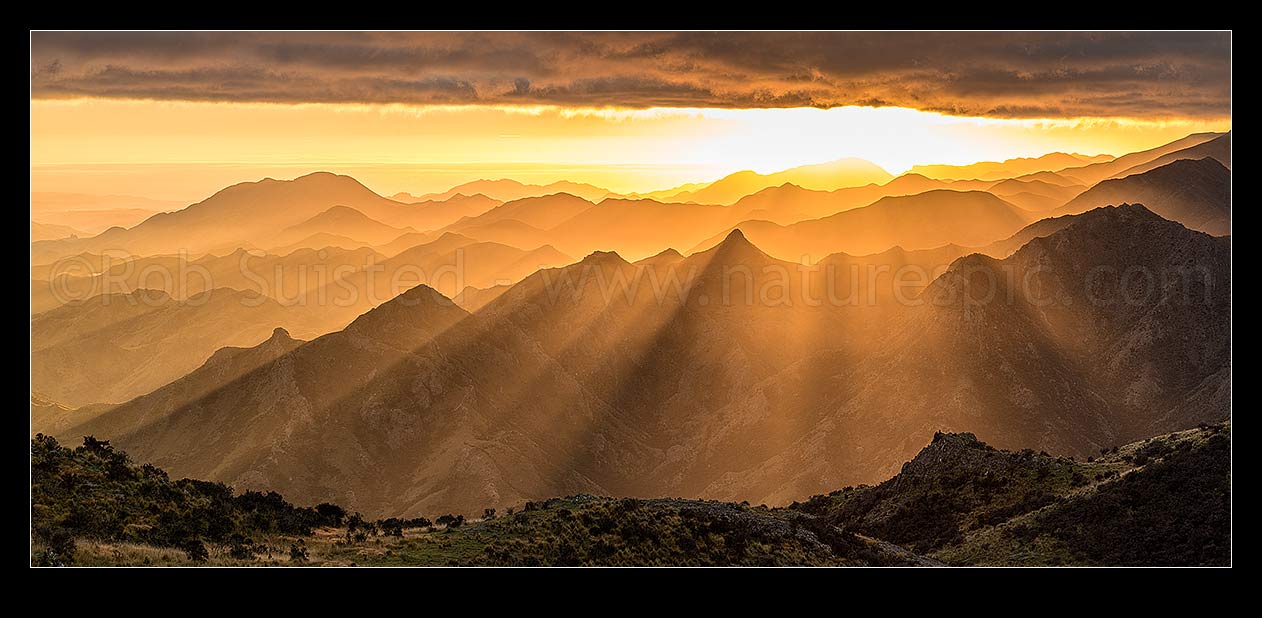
[180, 115]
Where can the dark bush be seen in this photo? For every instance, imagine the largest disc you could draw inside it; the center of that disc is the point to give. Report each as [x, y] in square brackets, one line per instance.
[94, 491]
[331, 515]
[196, 550]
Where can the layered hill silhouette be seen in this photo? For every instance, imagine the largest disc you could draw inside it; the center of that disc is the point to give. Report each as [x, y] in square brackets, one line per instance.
[50, 231]
[920, 221]
[94, 214]
[789, 203]
[286, 278]
[449, 264]
[249, 214]
[507, 190]
[1218, 149]
[112, 348]
[543, 212]
[837, 174]
[1011, 168]
[1095, 172]
[1035, 195]
[726, 374]
[339, 221]
[1194, 192]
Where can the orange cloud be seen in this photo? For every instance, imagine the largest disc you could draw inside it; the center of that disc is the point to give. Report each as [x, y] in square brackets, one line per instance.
[1009, 75]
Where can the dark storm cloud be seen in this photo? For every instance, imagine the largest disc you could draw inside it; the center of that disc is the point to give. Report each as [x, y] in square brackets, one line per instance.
[990, 74]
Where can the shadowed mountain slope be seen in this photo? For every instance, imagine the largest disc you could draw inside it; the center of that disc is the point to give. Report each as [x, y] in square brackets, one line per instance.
[1196, 193]
[1218, 149]
[1163, 501]
[1091, 174]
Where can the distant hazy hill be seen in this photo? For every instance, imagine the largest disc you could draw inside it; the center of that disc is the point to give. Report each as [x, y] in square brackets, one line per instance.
[541, 212]
[449, 264]
[1218, 149]
[1095, 172]
[112, 348]
[1011, 168]
[920, 221]
[95, 213]
[789, 203]
[286, 277]
[1035, 195]
[44, 202]
[343, 221]
[47, 231]
[510, 232]
[251, 213]
[506, 190]
[641, 227]
[823, 177]
[1196, 193]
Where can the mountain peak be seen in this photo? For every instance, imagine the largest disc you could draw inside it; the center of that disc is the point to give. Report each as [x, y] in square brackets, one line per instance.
[603, 257]
[321, 175]
[279, 334]
[667, 257]
[408, 318]
[950, 451]
[452, 236]
[735, 247]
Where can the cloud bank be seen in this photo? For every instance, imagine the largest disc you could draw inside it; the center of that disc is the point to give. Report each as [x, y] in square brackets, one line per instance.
[1006, 75]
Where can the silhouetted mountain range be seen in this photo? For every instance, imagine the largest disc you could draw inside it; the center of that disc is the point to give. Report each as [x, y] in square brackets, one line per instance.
[738, 382]
[507, 190]
[251, 213]
[920, 221]
[1091, 174]
[828, 176]
[991, 170]
[1218, 149]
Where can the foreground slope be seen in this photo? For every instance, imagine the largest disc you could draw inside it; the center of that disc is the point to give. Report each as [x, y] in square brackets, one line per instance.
[1165, 501]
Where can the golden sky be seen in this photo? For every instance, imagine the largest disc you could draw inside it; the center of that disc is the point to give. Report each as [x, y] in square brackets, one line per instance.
[187, 150]
[178, 115]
